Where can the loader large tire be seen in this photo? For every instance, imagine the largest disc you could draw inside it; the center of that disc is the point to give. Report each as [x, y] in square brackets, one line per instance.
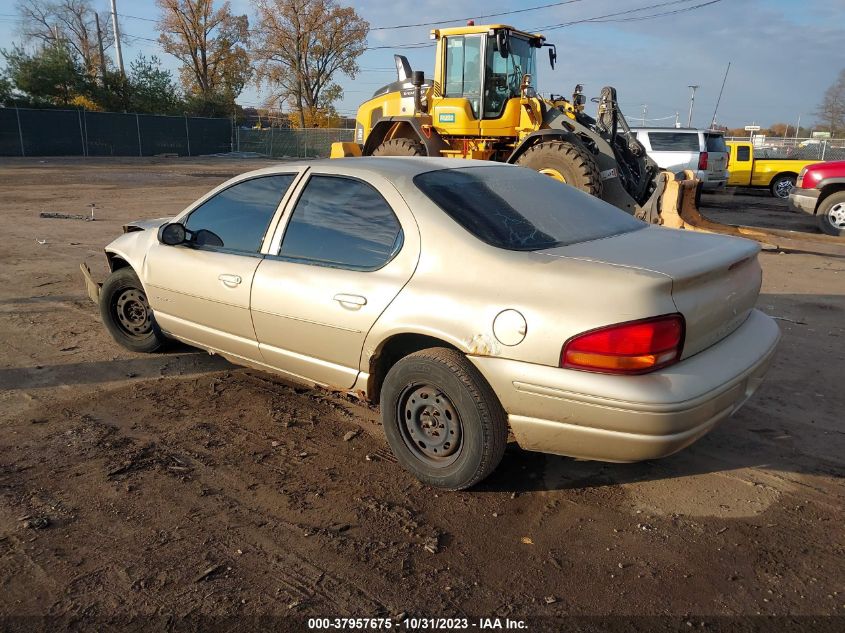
[400, 147]
[566, 162]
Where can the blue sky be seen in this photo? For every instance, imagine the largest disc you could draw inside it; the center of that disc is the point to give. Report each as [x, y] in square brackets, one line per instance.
[784, 53]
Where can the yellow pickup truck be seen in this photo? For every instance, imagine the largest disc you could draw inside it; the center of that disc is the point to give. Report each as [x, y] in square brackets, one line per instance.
[778, 175]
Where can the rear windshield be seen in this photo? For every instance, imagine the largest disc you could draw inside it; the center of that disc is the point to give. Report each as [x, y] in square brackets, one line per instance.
[519, 209]
[715, 143]
[674, 141]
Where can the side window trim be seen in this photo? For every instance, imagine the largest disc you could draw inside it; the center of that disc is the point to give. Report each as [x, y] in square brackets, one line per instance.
[273, 252]
[182, 218]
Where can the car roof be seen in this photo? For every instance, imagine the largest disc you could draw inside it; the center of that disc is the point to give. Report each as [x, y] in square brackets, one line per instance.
[675, 129]
[392, 166]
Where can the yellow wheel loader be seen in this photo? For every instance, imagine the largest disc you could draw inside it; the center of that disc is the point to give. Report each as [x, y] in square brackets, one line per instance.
[481, 104]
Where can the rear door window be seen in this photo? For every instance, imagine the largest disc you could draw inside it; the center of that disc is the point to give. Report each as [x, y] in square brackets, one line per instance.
[344, 223]
[743, 153]
[674, 141]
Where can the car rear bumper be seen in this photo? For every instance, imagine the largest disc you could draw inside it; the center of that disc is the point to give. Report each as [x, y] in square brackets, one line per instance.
[804, 200]
[711, 181]
[632, 418]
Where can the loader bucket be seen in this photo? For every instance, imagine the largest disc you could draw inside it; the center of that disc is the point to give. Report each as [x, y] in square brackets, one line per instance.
[676, 202]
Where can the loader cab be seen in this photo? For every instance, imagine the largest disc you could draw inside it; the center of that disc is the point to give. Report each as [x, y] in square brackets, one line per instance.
[479, 73]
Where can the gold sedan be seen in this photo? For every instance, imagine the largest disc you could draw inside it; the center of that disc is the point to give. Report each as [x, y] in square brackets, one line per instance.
[468, 299]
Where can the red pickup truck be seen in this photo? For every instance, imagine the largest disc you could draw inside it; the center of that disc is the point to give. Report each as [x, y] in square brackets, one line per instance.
[820, 191]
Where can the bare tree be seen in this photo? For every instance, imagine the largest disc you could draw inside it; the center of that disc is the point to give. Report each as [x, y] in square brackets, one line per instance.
[831, 111]
[211, 44]
[72, 21]
[300, 46]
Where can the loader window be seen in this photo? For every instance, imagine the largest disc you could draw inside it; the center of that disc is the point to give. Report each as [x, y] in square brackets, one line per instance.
[503, 77]
[463, 69]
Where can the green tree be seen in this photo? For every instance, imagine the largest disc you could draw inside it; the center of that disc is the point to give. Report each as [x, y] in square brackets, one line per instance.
[5, 90]
[50, 76]
[152, 89]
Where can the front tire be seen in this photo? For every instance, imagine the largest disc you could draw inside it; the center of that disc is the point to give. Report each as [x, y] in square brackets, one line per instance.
[566, 162]
[400, 147]
[831, 214]
[782, 186]
[126, 312]
[442, 420]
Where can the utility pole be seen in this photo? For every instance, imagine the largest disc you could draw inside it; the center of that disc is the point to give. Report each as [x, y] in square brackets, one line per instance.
[691, 100]
[677, 119]
[100, 44]
[117, 48]
[797, 127]
[645, 109]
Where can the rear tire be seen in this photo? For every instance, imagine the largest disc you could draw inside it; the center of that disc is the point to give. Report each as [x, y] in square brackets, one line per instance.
[126, 312]
[567, 162]
[400, 147]
[782, 185]
[442, 419]
[831, 214]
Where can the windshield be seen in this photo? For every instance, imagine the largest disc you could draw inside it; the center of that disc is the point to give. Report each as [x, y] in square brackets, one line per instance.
[520, 209]
[504, 75]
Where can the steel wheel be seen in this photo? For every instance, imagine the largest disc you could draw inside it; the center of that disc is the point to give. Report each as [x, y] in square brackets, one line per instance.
[133, 313]
[127, 314]
[431, 426]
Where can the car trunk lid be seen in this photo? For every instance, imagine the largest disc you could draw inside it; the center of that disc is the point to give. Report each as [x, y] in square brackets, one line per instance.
[715, 279]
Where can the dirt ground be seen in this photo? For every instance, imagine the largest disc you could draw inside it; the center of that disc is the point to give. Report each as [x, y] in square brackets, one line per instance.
[176, 485]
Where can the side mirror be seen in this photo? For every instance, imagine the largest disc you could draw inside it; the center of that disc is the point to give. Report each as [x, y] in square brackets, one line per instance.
[172, 234]
[552, 56]
[502, 43]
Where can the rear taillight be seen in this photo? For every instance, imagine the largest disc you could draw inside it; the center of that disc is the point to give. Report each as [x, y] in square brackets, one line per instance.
[634, 347]
[702, 161]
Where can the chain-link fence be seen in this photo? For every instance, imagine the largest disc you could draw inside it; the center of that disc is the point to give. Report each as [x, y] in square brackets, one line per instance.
[29, 132]
[819, 149]
[290, 143]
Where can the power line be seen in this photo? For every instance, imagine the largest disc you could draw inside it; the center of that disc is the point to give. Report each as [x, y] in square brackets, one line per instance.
[474, 17]
[605, 17]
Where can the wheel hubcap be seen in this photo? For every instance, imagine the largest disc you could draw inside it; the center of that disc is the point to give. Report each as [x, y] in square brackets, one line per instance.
[133, 312]
[836, 216]
[430, 425]
[783, 188]
[553, 173]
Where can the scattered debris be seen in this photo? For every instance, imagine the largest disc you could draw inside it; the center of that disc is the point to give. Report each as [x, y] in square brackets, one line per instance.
[208, 572]
[780, 318]
[64, 216]
[42, 242]
[351, 435]
[37, 523]
[432, 545]
[550, 599]
[526, 540]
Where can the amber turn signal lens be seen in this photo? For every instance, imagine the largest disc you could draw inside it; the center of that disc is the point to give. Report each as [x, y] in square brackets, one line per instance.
[634, 347]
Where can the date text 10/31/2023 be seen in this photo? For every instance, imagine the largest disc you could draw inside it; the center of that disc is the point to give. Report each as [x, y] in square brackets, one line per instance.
[416, 624]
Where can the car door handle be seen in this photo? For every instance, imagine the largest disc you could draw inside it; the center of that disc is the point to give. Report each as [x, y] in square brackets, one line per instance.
[355, 300]
[230, 281]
